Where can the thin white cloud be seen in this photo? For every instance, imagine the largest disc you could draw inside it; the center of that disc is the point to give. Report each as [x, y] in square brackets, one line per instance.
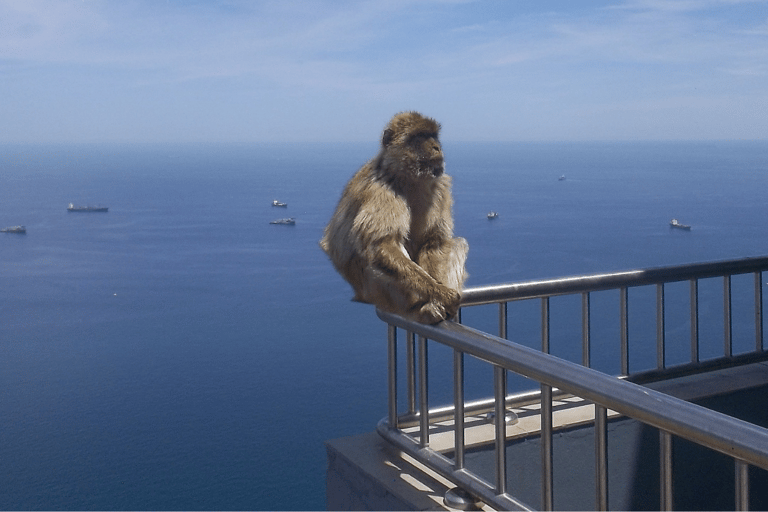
[377, 54]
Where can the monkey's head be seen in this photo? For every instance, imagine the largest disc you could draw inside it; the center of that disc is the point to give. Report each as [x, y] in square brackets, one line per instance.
[410, 147]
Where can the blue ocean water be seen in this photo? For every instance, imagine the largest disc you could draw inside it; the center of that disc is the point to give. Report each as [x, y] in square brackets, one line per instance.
[179, 352]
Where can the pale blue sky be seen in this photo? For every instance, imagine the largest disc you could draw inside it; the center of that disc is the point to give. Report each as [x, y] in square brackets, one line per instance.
[231, 70]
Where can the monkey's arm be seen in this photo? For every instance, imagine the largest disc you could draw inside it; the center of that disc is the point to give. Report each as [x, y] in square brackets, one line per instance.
[443, 259]
[410, 288]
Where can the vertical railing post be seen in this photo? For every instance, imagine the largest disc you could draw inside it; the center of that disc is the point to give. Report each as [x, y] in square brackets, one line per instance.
[458, 408]
[624, 318]
[727, 327]
[423, 392]
[694, 320]
[742, 485]
[758, 311]
[660, 328]
[665, 473]
[585, 331]
[545, 325]
[601, 458]
[547, 479]
[392, 374]
[410, 366]
[500, 392]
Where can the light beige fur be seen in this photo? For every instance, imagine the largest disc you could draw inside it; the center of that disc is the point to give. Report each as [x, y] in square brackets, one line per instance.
[391, 236]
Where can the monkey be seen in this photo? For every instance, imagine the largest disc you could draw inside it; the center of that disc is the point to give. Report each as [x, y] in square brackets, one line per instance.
[391, 235]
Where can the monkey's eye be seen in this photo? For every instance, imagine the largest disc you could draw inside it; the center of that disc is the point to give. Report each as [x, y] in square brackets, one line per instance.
[420, 138]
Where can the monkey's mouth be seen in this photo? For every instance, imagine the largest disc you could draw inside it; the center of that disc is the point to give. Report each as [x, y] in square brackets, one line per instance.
[436, 169]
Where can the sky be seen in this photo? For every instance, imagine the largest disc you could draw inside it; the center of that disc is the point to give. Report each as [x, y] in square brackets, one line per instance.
[218, 71]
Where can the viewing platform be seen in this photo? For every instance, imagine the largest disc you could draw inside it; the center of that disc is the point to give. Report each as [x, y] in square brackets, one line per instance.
[688, 435]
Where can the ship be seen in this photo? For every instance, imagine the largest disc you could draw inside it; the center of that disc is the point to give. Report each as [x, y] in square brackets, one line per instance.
[288, 221]
[561, 178]
[278, 203]
[492, 215]
[73, 208]
[14, 229]
[675, 224]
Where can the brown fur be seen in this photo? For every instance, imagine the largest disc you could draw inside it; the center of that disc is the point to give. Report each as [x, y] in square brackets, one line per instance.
[391, 236]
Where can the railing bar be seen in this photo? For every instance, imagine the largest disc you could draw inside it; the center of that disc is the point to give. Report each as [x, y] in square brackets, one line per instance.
[727, 328]
[547, 483]
[545, 325]
[410, 365]
[722, 433]
[624, 317]
[392, 374]
[443, 466]
[601, 458]
[660, 328]
[742, 485]
[585, 331]
[500, 388]
[694, 320]
[458, 403]
[665, 473]
[758, 311]
[423, 393]
[480, 406]
[608, 281]
[503, 320]
[547, 480]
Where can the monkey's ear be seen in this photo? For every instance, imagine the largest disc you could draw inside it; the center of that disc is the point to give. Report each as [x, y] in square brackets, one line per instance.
[386, 139]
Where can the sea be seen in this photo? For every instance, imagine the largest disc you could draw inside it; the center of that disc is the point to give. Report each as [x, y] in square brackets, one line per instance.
[181, 352]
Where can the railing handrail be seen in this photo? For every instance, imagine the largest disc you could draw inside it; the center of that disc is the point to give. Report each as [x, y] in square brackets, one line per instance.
[728, 435]
[746, 443]
[478, 295]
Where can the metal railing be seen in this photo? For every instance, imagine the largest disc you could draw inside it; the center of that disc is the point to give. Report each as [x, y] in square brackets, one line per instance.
[746, 443]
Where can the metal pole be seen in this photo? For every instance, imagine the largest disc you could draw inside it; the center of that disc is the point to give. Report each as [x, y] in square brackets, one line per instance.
[727, 334]
[660, 327]
[585, 331]
[758, 311]
[742, 485]
[503, 320]
[545, 325]
[458, 402]
[547, 481]
[423, 393]
[500, 391]
[410, 365]
[624, 316]
[601, 458]
[665, 473]
[392, 374]
[694, 320]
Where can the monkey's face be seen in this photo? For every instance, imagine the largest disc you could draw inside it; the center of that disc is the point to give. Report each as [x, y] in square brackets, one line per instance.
[411, 149]
[429, 154]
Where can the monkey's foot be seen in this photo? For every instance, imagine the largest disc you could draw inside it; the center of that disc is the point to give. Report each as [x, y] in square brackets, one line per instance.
[431, 313]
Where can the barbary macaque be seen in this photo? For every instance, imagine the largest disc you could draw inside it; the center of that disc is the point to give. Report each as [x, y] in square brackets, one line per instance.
[391, 236]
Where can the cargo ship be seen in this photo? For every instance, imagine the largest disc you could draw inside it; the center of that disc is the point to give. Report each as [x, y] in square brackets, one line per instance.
[675, 224]
[73, 208]
[14, 229]
[288, 222]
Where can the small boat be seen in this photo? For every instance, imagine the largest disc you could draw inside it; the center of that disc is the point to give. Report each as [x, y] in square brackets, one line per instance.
[561, 178]
[492, 215]
[278, 203]
[14, 229]
[73, 208]
[675, 224]
[290, 221]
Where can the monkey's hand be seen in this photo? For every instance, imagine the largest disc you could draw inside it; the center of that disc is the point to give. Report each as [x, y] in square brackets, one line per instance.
[443, 305]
